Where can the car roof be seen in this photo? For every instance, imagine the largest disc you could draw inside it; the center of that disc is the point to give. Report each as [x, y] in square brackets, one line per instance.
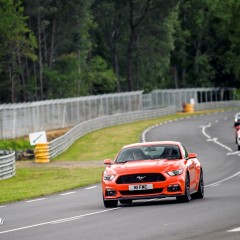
[143, 144]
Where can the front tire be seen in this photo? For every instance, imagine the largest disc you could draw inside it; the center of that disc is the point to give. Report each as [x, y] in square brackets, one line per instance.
[110, 203]
[200, 192]
[187, 196]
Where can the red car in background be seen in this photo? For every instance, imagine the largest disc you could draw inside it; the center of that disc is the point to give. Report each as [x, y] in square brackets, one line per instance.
[237, 136]
[237, 120]
[236, 133]
[237, 129]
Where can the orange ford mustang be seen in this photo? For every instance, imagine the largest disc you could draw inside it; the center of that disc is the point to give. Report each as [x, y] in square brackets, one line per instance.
[152, 170]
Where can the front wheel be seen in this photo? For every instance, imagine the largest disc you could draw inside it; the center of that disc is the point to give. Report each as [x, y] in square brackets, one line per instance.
[200, 192]
[187, 196]
[110, 203]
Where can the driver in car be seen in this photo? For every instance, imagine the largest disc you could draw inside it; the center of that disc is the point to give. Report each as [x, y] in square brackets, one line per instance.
[138, 154]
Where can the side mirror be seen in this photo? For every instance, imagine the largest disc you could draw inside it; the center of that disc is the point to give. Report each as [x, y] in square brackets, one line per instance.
[192, 155]
[107, 162]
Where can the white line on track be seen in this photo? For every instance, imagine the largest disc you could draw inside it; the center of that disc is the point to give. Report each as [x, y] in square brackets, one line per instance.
[204, 130]
[233, 153]
[224, 146]
[2, 206]
[234, 230]
[90, 187]
[213, 185]
[68, 193]
[223, 180]
[58, 221]
[210, 139]
[35, 200]
[1, 221]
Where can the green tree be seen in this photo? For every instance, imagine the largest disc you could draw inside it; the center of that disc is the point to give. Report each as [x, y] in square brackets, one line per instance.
[226, 42]
[136, 38]
[100, 77]
[207, 44]
[63, 31]
[17, 45]
[63, 77]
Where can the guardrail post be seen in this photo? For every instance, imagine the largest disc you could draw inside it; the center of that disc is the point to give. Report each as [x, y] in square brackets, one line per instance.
[41, 152]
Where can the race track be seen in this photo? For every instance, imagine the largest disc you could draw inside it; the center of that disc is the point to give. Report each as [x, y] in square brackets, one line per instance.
[80, 214]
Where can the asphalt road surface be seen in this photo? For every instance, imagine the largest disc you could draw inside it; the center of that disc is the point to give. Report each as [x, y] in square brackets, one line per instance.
[80, 214]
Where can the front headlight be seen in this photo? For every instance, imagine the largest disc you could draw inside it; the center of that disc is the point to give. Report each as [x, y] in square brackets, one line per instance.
[108, 177]
[175, 172]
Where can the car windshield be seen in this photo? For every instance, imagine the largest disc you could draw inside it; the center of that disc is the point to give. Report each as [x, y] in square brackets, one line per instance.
[148, 152]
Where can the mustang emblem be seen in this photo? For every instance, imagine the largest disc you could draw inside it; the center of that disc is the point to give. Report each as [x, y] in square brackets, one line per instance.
[140, 178]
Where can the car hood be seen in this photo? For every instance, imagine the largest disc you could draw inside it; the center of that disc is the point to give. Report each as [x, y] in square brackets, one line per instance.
[144, 166]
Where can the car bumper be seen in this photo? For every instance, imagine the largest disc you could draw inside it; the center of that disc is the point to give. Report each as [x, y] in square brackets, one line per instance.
[171, 188]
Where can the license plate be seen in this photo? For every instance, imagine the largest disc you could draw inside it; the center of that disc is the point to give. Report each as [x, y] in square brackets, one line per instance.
[140, 187]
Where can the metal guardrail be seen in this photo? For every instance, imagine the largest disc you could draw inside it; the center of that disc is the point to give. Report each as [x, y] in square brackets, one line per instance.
[59, 145]
[7, 165]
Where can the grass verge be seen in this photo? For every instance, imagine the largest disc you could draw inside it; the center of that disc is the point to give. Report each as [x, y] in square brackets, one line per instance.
[33, 182]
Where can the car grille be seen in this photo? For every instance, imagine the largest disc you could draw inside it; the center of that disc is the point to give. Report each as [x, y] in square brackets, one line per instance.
[142, 192]
[140, 178]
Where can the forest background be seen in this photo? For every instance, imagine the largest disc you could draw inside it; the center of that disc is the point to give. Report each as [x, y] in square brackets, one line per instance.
[67, 48]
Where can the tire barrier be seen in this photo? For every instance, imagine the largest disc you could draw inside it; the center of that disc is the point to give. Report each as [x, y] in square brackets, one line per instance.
[7, 165]
[41, 152]
[188, 108]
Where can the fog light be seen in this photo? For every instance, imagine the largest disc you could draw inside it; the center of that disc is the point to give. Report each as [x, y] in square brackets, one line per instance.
[174, 188]
[110, 192]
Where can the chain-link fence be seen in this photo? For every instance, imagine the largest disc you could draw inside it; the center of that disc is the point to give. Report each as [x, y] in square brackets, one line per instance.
[23, 118]
[177, 97]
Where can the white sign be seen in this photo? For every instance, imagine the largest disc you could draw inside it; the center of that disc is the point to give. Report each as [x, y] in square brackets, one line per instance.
[38, 137]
